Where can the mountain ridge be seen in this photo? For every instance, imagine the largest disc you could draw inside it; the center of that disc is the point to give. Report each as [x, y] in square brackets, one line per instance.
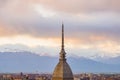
[30, 62]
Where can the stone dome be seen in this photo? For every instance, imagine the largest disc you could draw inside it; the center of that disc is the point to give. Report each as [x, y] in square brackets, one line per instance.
[62, 71]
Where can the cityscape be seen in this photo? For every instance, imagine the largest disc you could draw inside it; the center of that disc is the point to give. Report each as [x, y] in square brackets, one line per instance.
[82, 76]
[59, 40]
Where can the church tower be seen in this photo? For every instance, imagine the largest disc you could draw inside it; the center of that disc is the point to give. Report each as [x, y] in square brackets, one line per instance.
[62, 70]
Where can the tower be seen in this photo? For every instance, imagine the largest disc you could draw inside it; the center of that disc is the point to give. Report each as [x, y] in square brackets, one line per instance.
[62, 70]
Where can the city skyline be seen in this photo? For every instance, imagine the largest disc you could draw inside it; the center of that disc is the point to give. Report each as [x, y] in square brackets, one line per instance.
[92, 28]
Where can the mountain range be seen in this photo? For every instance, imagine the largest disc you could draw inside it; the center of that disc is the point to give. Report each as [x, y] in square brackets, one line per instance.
[29, 62]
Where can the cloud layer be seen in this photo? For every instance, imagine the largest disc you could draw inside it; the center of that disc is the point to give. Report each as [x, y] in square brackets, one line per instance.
[91, 24]
[78, 6]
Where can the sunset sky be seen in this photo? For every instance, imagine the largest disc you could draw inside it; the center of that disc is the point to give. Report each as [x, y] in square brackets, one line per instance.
[92, 27]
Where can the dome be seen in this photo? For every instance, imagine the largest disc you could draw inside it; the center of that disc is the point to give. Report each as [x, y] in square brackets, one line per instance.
[62, 71]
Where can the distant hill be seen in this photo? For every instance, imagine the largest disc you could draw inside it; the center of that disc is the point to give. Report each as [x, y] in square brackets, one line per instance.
[114, 60]
[29, 62]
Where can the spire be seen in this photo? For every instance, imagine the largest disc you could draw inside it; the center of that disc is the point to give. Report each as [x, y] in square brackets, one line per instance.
[62, 36]
[62, 70]
[62, 53]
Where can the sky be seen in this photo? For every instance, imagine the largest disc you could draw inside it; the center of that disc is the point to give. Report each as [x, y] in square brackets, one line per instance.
[92, 27]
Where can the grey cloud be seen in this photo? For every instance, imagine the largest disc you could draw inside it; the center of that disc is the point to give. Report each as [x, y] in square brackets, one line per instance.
[101, 18]
[81, 6]
[30, 22]
[71, 6]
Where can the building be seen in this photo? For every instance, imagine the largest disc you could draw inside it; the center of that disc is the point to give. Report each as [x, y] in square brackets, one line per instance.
[62, 70]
